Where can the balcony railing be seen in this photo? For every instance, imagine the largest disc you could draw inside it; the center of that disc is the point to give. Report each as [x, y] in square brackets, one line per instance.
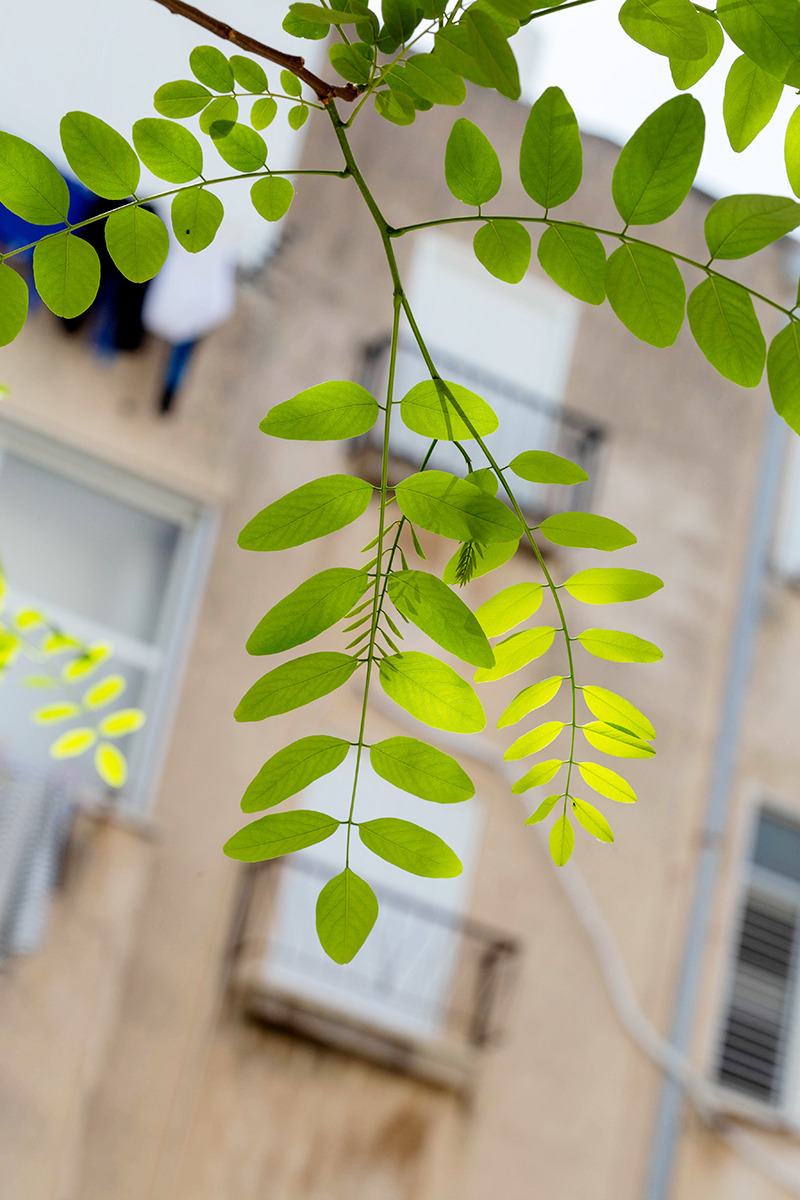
[527, 422]
[428, 987]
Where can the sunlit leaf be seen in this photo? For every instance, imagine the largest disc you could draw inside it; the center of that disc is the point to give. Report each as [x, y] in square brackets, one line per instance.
[740, 225]
[575, 259]
[73, 743]
[428, 410]
[87, 662]
[138, 243]
[196, 217]
[444, 504]
[219, 116]
[544, 810]
[326, 412]
[647, 292]
[30, 186]
[212, 68]
[351, 62]
[13, 304]
[783, 372]
[280, 833]
[725, 327]
[618, 711]
[669, 27]
[297, 116]
[410, 847]
[607, 782]
[541, 466]
[311, 511]
[551, 157]
[272, 198]
[181, 98]
[421, 769]
[314, 606]
[751, 97]
[561, 841]
[347, 909]
[586, 530]
[657, 166]
[99, 156]
[51, 713]
[66, 271]
[516, 652]
[292, 769]
[111, 765]
[471, 166]
[491, 51]
[592, 820]
[613, 740]
[295, 683]
[432, 692]
[249, 74]
[440, 613]
[168, 150]
[105, 691]
[766, 30]
[535, 696]
[488, 558]
[509, 607]
[241, 147]
[534, 741]
[434, 81]
[122, 722]
[615, 646]
[504, 249]
[396, 107]
[611, 585]
[687, 72]
[263, 113]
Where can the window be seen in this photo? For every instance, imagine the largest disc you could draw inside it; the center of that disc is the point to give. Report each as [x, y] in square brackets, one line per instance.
[760, 1028]
[511, 345]
[107, 558]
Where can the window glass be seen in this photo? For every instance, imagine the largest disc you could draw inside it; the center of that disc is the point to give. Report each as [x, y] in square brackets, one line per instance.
[778, 846]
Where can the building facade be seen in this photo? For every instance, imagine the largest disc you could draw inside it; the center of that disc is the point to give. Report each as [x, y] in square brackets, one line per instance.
[167, 1028]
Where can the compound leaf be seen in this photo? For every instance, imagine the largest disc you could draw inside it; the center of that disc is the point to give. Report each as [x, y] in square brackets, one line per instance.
[471, 166]
[725, 327]
[669, 27]
[504, 248]
[138, 243]
[646, 291]
[314, 606]
[196, 217]
[432, 692]
[347, 909]
[66, 270]
[575, 259]
[740, 225]
[550, 156]
[428, 410]
[540, 466]
[615, 646]
[592, 820]
[509, 607]
[292, 769]
[410, 847]
[751, 97]
[311, 511]
[783, 373]
[611, 585]
[561, 841]
[168, 150]
[657, 166]
[535, 696]
[327, 412]
[440, 613]
[30, 186]
[516, 652]
[586, 530]
[444, 504]
[280, 833]
[295, 683]
[421, 769]
[617, 711]
[607, 782]
[99, 156]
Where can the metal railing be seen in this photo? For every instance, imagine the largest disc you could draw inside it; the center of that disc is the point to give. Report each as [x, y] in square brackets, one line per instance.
[424, 973]
[527, 422]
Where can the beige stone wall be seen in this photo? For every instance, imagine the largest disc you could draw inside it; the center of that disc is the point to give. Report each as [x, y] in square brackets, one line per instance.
[125, 1070]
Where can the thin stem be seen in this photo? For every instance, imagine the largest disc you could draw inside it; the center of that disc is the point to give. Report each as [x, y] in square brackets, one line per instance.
[545, 12]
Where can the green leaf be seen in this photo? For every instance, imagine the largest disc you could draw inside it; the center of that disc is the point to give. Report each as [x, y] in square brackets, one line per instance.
[751, 97]
[586, 530]
[516, 652]
[290, 83]
[542, 773]
[540, 466]
[221, 115]
[317, 15]
[783, 373]
[295, 683]
[421, 770]
[550, 156]
[437, 611]
[73, 743]
[196, 217]
[613, 740]
[504, 248]
[351, 62]
[432, 692]
[278, 834]
[138, 243]
[617, 711]
[488, 558]
[263, 113]
[687, 72]
[607, 782]
[347, 909]
[271, 199]
[298, 27]
[575, 259]
[326, 412]
[99, 156]
[292, 769]
[66, 271]
[471, 166]
[168, 150]
[509, 607]
[311, 608]
[434, 81]
[249, 74]
[29, 183]
[396, 77]
[766, 30]
[534, 741]
[740, 225]
[646, 291]
[395, 107]
[13, 304]
[400, 18]
[726, 328]
[452, 46]
[181, 98]
[791, 151]
[241, 148]
[669, 27]
[410, 847]
[211, 67]
[592, 820]
[535, 696]
[544, 810]
[562, 839]
[427, 410]
[611, 585]
[485, 479]
[297, 116]
[491, 52]
[615, 646]
[444, 504]
[311, 511]
[656, 168]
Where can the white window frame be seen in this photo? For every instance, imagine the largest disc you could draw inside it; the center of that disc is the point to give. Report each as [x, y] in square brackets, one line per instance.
[166, 660]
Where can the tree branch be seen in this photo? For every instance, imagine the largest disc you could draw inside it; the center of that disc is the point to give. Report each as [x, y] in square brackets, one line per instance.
[290, 62]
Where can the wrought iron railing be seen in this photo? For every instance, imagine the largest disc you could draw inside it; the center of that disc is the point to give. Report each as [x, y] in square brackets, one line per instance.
[527, 422]
[424, 974]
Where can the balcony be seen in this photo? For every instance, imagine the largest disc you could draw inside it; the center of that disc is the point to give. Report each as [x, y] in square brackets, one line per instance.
[527, 422]
[428, 991]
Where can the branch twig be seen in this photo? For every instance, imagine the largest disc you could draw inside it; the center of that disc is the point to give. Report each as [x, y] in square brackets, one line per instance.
[290, 62]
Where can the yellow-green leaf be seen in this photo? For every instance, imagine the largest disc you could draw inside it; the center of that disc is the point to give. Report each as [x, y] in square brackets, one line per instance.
[111, 765]
[516, 652]
[509, 607]
[73, 743]
[535, 696]
[534, 741]
[122, 722]
[105, 691]
[607, 782]
[562, 841]
[543, 772]
[51, 713]
[592, 820]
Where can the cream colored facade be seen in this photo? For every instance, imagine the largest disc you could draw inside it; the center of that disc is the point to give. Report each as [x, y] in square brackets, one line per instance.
[130, 1068]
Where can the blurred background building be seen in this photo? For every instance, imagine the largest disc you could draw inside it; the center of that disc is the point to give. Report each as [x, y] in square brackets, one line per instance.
[169, 1028]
